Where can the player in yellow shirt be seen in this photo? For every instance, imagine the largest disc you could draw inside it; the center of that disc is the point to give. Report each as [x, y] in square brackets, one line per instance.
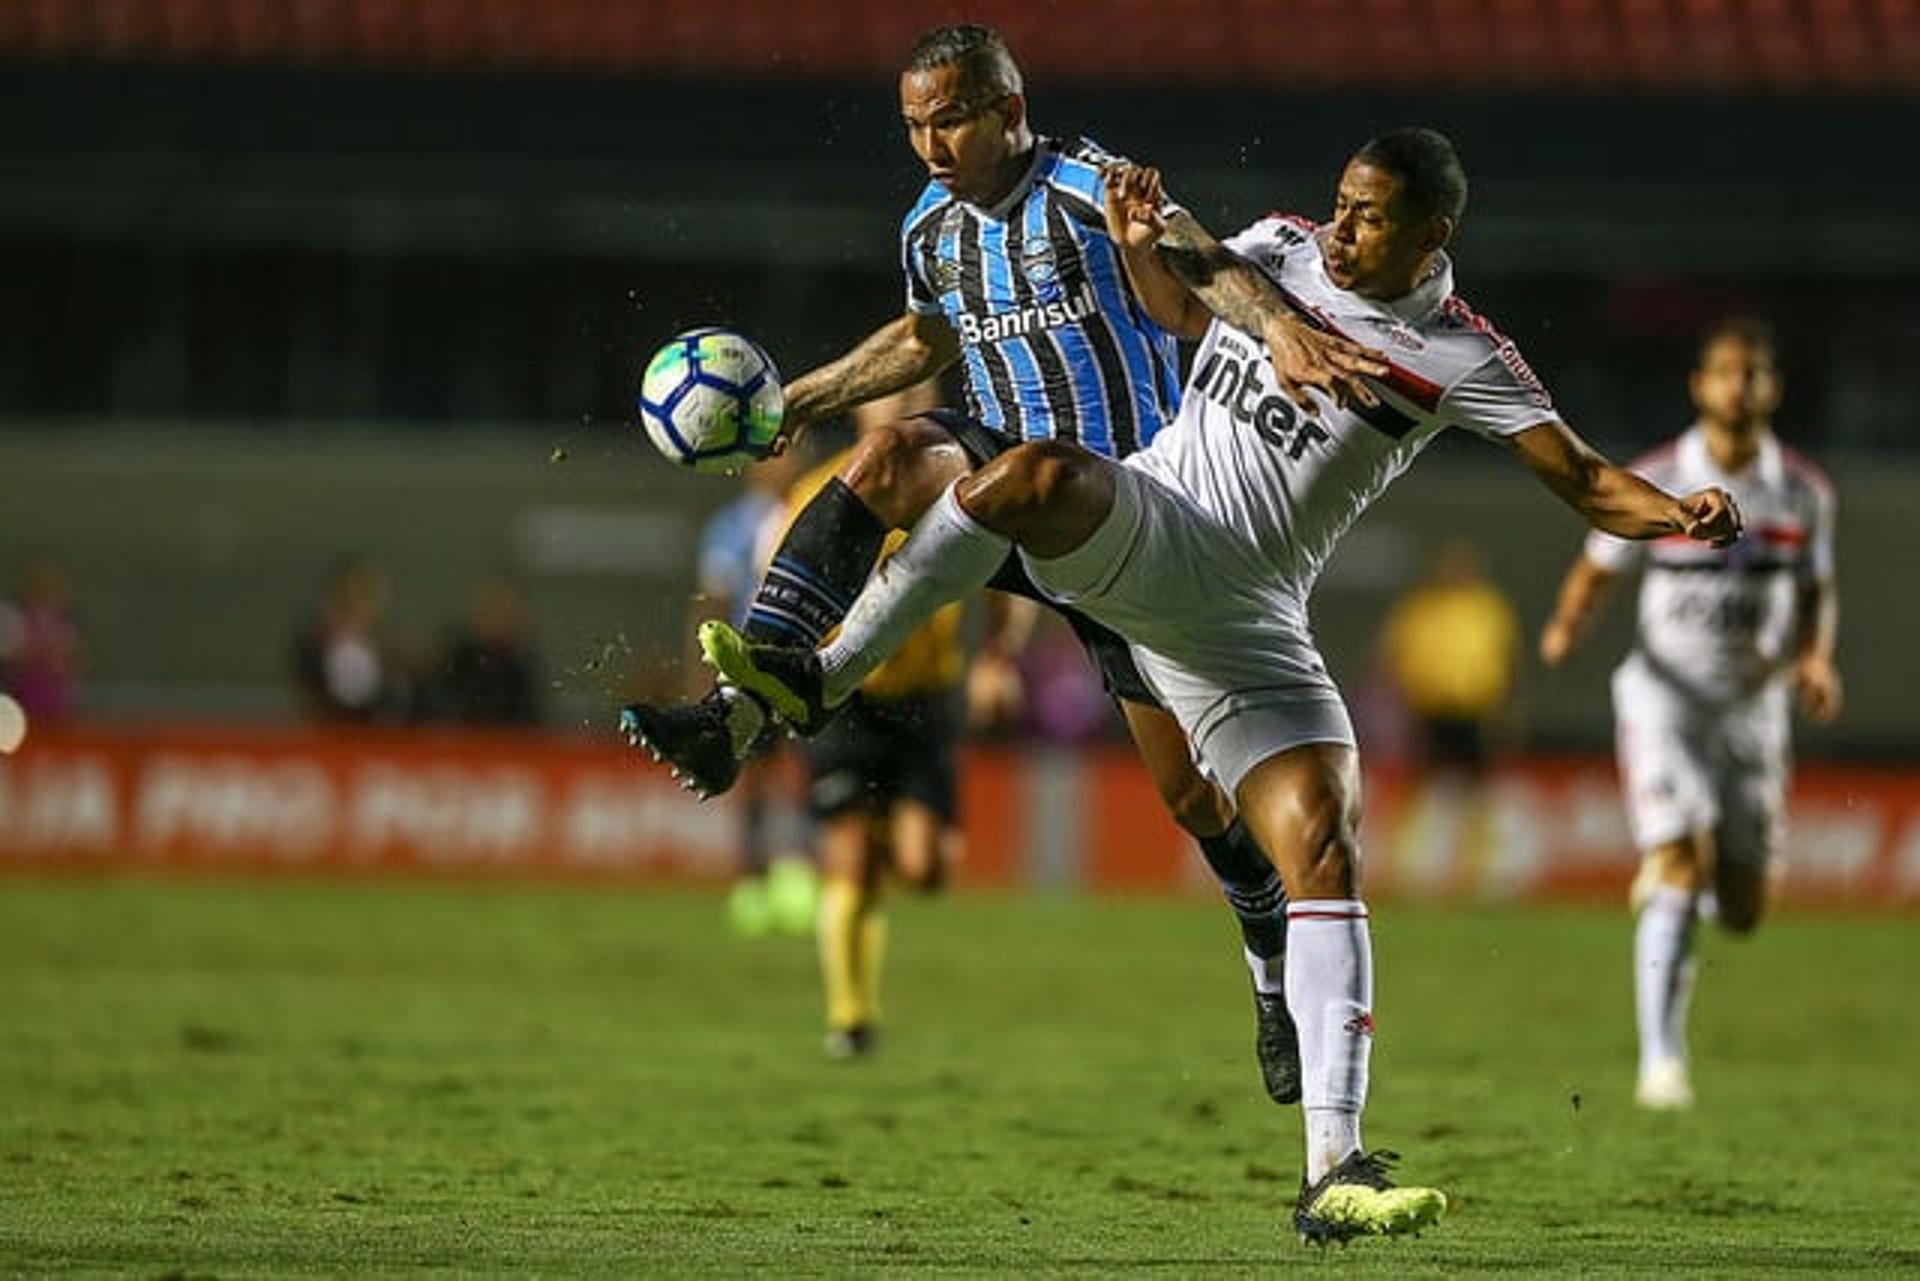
[882, 777]
[1450, 645]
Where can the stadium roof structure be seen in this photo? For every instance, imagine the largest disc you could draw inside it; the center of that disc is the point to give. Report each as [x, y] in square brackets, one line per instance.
[1827, 45]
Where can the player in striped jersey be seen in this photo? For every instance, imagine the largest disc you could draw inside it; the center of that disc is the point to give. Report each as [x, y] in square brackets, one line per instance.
[1202, 550]
[1011, 274]
[1701, 703]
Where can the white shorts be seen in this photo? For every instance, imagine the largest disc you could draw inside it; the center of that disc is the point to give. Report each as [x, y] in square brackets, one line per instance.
[1224, 645]
[1689, 765]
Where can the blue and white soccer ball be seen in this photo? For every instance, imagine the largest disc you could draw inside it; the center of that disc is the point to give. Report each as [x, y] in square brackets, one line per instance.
[711, 400]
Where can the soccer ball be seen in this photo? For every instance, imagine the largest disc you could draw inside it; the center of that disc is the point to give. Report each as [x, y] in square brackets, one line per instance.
[711, 400]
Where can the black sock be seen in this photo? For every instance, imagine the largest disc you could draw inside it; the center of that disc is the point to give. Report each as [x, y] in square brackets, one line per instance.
[819, 568]
[1252, 887]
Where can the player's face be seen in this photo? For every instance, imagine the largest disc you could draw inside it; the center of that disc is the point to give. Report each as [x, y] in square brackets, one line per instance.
[1736, 385]
[1374, 245]
[967, 138]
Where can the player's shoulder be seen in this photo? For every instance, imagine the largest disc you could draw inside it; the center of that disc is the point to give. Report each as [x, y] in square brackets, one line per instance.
[933, 201]
[1474, 342]
[1804, 472]
[1071, 167]
[1662, 460]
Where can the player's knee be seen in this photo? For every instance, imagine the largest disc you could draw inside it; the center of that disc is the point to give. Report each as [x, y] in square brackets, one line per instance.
[1329, 851]
[896, 470]
[1200, 808]
[1021, 488]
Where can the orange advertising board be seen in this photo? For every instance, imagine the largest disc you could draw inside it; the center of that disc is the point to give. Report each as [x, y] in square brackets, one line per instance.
[523, 803]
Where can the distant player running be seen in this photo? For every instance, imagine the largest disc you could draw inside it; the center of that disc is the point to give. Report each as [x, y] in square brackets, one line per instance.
[1701, 703]
[1202, 549]
[1010, 272]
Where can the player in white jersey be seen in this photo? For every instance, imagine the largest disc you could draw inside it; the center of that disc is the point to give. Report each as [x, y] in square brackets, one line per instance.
[1202, 548]
[1701, 703]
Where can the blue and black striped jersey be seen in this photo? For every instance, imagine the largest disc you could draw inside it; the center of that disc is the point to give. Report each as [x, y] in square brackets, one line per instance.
[1052, 339]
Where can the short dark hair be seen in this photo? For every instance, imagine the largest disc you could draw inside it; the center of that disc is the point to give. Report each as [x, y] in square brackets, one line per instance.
[979, 52]
[1751, 330]
[1431, 178]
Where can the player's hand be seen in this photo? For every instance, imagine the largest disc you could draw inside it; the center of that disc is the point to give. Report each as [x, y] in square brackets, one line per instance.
[1817, 684]
[1306, 357]
[1711, 516]
[1556, 642]
[1134, 197]
[996, 692]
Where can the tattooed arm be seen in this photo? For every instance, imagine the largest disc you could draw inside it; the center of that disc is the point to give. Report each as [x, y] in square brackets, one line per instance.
[1184, 277]
[892, 358]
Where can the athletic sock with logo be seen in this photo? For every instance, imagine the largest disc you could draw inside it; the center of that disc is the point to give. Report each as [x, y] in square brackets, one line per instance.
[1253, 890]
[1330, 995]
[948, 556]
[1663, 974]
[817, 570]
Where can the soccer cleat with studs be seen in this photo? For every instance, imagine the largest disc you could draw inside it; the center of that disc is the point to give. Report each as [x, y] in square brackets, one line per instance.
[1357, 1198]
[693, 739]
[1277, 1045]
[785, 678]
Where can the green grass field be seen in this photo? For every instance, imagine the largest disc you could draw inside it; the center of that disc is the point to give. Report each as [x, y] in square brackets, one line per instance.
[206, 1078]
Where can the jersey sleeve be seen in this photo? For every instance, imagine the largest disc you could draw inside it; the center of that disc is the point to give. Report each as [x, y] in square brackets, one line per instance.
[922, 298]
[1499, 397]
[1267, 242]
[1820, 558]
[1612, 553]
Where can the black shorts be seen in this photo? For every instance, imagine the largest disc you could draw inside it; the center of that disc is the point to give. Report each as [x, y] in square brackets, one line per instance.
[1106, 648]
[881, 750]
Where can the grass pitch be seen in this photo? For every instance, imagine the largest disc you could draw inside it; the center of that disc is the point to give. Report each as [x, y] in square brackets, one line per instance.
[203, 1078]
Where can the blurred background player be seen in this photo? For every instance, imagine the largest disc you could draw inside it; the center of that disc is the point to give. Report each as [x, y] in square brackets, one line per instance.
[346, 668]
[1449, 646]
[774, 887]
[1701, 705]
[41, 649]
[881, 780]
[488, 672]
[1011, 274]
[1449, 649]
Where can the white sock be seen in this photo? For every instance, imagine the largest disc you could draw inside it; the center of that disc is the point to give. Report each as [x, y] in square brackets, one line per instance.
[1269, 973]
[1663, 974]
[949, 555]
[1329, 977]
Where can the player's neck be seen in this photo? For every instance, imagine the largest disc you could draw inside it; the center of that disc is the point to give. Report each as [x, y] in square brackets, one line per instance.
[1011, 175]
[1732, 447]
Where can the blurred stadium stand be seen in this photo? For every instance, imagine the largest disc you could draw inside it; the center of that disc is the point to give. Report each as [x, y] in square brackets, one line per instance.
[1553, 44]
[284, 279]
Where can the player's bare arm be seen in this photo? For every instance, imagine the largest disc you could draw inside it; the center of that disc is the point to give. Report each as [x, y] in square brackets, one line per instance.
[1582, 595]
[1227, 286]
[1614, 499]
[892, 358]
[1816, 680]
[1134, 197]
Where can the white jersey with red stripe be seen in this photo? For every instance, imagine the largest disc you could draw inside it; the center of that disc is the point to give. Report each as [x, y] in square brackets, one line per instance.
[1292, 482]
[1719, 624]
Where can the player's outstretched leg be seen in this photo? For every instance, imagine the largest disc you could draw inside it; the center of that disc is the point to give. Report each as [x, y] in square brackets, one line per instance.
[705, 743]
[816, 572]
[785, 679]
[948, 556]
